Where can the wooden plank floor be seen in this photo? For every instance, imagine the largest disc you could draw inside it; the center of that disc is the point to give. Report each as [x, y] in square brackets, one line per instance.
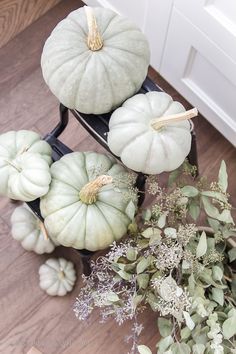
[28, 317]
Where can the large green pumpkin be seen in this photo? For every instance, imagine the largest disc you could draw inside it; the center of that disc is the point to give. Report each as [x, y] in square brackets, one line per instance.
[95, 59]
[83, 209]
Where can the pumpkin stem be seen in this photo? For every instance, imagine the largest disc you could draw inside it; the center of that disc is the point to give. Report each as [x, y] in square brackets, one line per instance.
[89, 192]
[61, 274]
[158, 123]
[94, 39]
[43, 230]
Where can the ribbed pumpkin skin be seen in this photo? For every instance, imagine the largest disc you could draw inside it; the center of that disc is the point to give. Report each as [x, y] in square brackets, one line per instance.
[140, 147]
[76, 224]
[26, 230]
[57, 276]
[95, 81]
[31, 156]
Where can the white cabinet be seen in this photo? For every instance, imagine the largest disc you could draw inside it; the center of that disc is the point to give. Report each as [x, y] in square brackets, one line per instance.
[202, 72]
[193, 46]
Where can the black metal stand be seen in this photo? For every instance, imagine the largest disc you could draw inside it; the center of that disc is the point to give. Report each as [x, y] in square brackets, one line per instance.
[98, 127]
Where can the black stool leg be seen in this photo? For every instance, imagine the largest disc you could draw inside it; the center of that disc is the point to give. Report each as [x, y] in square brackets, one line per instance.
[192, 157]
[140, 184]
[86, 257]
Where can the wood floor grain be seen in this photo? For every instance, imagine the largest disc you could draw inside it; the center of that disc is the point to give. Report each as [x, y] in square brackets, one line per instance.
[28, 317]
[16, 15]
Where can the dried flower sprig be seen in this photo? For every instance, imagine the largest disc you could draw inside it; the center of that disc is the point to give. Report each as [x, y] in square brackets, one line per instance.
[179, 268]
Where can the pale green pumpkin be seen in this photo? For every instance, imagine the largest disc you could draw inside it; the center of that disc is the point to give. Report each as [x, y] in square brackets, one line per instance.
[95, 59]
[57, 276]
[151, 133]
[30, 231]
[83, 209]
[24, 165]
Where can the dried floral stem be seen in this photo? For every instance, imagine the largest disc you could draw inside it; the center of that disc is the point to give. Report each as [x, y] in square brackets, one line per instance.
[94, 39]
[89, 192]
[158, 123]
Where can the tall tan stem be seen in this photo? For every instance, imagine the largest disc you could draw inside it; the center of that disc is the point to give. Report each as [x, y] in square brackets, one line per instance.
[43, 230]
[94, 39]
[158, 123]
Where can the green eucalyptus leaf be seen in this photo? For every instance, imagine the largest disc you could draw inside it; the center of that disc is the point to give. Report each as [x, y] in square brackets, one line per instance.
[131, 254]
[112, 297]
[215, 224]
[130, 267]
[210, 209]
[185, 333]
[188, 320]
[165, 326]
[162, 220]
[170, 232]
[215, 195]
[130, 210]
[146, 214]
[143, 280]
[223, 177]
[229, 327]
[133, 227]
[124, 275]
[189, 191]
[194, 211]
[206, 277]
[191, 284]
[232, 313]
[150, 231]
[232, 254]
[226, 217]
[202, 245]
[198, 348]
[164, 344]
[218, 296]
[137, 300]
[143, 349]
[221, 316]
[217, 273]
[142, 265]
[155, 239]
[180, 348]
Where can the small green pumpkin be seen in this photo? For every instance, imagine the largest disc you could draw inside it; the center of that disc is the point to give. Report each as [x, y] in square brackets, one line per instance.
[83, 209]
[30, 231]
[57, 277]
[95, 59]
[24, 165]
[150, 133]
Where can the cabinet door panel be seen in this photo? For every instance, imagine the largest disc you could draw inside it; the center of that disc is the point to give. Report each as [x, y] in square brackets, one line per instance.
[202, 73]
[215, 18]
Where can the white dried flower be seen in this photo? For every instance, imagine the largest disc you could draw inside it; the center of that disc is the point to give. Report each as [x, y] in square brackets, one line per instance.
[173, 299]
[168, 256]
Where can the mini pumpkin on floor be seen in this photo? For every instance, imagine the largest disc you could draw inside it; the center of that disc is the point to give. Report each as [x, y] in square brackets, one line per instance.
[57, 276]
